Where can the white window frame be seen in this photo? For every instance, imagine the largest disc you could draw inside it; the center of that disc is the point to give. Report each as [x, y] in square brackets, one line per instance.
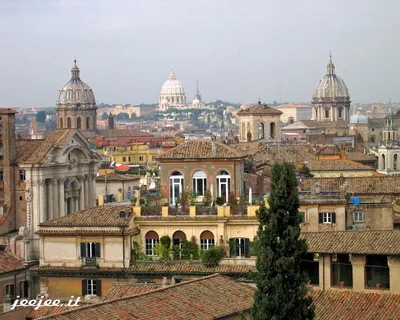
[91, 287]
[220, 183]
[141, 158]
[357, 215]
[149, 246]
[7, 289]
[206, 244]
[200, 175]
[90, 250]
[327, 217]
[175, 180]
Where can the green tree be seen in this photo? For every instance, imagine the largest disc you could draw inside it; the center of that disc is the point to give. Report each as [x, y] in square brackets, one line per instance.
[41, 116]
[282, 286]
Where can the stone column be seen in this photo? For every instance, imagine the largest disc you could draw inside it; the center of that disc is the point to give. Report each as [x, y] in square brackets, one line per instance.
[56, 210]
[61, 197]
[35, 205]
[86, 191]
[43, 200]
[94, 196]
[50, 199]
[82, 192]
[358, 263]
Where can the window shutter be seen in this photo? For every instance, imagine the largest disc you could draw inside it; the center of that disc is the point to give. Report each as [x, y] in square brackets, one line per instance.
[98, 288]
[333, 217]
[97, 250]
[321, 217]
[83, 249]
[84, 287]
[247, 247]
[232, 247]
[354, 217]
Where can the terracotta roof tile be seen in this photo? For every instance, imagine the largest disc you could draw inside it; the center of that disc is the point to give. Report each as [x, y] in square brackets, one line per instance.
[358, 156]
[128, 289]
[202, 149]
[385, 242]
[259, 109]
[347, 305]
[9, 263]
[208, 298]
[197, 218]
[118, 177]
[336, 165]
[86, 232]
[101, 216]
[120, 133]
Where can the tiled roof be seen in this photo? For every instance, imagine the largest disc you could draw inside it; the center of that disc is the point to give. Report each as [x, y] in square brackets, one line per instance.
[259, 109]
[332, 124]
[101, 216]
[336, 165]
[86, 232]
[54, 310]
[120, 133]
[385, 242]
[189, 268]
[128, 289]
[197, 218]
[211, 297]
[119, 177]
[357, 185]
[202, 149]
[9, 263]
[348, 305]
[25, 148]
[358, 156]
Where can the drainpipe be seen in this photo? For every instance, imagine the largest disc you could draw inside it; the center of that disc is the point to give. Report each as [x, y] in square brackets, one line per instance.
[123, 246]
[323, 272]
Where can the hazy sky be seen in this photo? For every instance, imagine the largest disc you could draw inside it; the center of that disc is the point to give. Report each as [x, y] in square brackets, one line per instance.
[240, 50]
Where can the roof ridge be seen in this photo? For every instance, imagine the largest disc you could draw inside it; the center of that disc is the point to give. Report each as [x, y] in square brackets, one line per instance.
[135, 296]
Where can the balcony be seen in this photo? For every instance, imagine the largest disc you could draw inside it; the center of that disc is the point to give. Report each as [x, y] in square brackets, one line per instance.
[90, 262]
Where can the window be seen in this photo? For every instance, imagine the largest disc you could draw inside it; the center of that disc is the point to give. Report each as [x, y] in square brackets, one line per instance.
[303, 217]
[9, 290]
[358, 216]
[22, 176]
[151, 241]
[199, 182]
[90, 250]
[395, 162]
[78, 123]
[140, 158]
[69, 123]
[326, 113]
[340, 113]
[310, 265]
[239, 247]
[342, 270]
[123, 159]
[87, 123]
[223, 185]
[377, 272]
[175, 187]
[24, 289]
[206, 240]
[20, 198]
[327, 217]
[129, 159]
[91, 287]
[1, 176]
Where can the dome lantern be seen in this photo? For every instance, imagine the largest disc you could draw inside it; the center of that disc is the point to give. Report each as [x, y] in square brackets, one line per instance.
[75, 72]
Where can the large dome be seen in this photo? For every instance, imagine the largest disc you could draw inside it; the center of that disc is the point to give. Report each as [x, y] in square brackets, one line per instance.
[76, 91]
[331, 87]
[358, 118]
[172, 93]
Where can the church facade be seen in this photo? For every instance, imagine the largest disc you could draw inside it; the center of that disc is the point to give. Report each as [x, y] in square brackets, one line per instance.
[389, 151]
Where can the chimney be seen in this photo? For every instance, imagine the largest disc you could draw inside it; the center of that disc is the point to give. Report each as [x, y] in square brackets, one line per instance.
[7, 136]
[213, 146]
[164, 282]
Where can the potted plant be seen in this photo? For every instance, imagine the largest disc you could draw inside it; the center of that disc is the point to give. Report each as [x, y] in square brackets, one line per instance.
[219, 201]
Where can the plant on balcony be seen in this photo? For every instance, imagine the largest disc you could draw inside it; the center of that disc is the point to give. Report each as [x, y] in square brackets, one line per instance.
[234, 205]
[207, 199]
[219, 201]
[137, 252]
[163, 248]
[192, 198]
[281, 284]
[211, 257]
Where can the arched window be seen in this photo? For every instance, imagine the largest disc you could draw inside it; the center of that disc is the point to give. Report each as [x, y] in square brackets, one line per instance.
[395, 162]
[78, 123]
[69, 123]
[383, 162]
[340, 113]
[199, 183]
[243, 131]
[151, 238]
[206, 240]
[175, 186]
[272, 130]
[130, 195]
[261, 131]
[223, 185]
[326, 113]
[177, 238]
[87, 123]
[61, 124]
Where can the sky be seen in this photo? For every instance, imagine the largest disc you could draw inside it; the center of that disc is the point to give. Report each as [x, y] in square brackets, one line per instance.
[239, 50]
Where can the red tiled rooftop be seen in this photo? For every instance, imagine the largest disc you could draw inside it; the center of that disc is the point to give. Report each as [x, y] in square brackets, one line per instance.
[9, 263]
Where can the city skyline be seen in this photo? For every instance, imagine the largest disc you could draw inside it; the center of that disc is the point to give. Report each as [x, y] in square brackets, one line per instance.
[239, 51]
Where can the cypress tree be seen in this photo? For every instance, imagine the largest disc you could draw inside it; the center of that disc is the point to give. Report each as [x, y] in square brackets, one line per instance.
[282, 286]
